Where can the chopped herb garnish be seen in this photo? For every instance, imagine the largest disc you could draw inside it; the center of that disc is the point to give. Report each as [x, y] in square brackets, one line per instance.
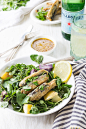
[26, 88]
[35, 83]
[31, 79]
[41, 87]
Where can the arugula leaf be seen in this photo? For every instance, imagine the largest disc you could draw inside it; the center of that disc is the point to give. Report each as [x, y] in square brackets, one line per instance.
[41, 14]
[34, 110]
[69, 86]
[51, 75]
[58, 82]
[19, 71]
[13, 4]
[37, 58]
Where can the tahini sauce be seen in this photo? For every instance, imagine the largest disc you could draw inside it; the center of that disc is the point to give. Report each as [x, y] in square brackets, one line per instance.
[42, 44]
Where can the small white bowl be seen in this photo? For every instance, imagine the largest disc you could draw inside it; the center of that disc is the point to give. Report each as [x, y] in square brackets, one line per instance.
[43, 36]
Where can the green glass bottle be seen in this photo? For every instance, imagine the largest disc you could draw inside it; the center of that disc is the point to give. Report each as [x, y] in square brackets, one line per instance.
[70, 8]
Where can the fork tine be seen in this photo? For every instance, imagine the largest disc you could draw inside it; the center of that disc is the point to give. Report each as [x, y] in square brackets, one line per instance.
[26, 37]
[12, 54]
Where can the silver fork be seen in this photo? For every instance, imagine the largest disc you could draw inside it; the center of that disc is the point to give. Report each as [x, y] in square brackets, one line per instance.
[29, 29]
[14, 51]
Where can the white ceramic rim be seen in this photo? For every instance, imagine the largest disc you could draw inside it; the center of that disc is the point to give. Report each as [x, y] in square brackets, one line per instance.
[56, 108]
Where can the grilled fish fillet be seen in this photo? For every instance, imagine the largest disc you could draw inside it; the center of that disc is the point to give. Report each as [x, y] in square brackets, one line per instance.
[52, 10]
[38, 73]
[41, 79]
[41, 90]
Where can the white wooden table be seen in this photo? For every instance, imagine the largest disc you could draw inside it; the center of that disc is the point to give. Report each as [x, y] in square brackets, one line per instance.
[9, 38]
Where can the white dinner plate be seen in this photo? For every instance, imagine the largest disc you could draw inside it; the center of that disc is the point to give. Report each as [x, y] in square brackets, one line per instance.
[56, 20]
[28, 61]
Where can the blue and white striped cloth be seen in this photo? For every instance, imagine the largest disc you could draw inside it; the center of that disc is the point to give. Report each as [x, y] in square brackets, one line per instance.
[73, 115]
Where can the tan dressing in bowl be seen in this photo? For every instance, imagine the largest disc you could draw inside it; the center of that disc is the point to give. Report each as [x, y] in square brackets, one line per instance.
[42, 44]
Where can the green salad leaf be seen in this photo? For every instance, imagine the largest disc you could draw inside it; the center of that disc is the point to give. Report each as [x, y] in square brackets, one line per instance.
[13, 4]
[37, 58]
[25, 100]
[26, 88]
[10, 91]
[3, 104]
[20, 97]
[41, 14]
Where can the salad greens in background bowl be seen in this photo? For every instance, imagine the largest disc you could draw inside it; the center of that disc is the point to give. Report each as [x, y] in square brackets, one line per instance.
[40, 16]
[8, 5]
[16, 102]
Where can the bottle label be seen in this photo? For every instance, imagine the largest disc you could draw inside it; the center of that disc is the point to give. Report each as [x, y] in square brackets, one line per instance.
[67, 18]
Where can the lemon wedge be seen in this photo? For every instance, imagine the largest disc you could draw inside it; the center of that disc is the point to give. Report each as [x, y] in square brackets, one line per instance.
[6, 75]
[50, 95]
[53, 96]
[63, 69]
[56, 98]
[27, 108]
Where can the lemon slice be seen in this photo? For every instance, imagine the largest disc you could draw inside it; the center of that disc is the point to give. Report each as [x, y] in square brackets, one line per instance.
[27, 108]
[63, 70]
[50, 95]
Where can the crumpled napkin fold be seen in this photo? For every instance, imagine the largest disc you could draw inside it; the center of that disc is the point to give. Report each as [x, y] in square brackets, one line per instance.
[73, 115]
[10, 18]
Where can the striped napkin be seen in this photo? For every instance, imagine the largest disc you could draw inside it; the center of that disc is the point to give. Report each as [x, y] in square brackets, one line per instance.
[73, 115]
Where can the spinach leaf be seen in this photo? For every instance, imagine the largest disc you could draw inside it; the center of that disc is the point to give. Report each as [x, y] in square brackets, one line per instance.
[20, 97]
[37, 58]
[25, 100]
[8, 86]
